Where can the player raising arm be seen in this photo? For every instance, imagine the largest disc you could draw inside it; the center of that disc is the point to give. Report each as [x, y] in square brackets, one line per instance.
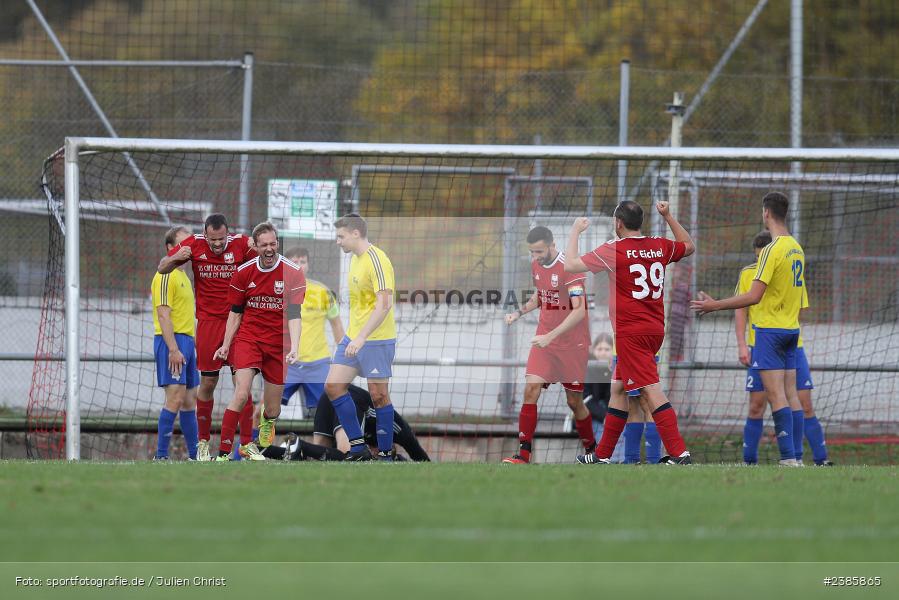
[561, 347]
[779, 290]
[265, 292]
[215, 255]
[636, 268]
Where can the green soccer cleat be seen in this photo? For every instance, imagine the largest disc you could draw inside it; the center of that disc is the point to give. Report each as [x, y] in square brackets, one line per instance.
[250, 452]
[223, 458]
[203, 451]
[266, 431]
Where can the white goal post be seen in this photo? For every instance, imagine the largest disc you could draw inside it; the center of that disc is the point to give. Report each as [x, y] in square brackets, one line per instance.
[76, 146]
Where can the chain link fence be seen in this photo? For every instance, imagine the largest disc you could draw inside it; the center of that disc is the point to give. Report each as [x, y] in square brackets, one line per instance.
[439, 72]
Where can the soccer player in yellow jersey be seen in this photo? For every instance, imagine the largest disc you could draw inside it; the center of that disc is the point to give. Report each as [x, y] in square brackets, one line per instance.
[778, 292]
[174, 351]
[370, 343]
[805, 423]
[313, 356]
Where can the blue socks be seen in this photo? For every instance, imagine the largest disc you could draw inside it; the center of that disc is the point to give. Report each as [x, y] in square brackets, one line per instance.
[798, 422]
[752, 435]
[384, 428]
[815, 435]
[633, 439]
[164, 429]
[653, 444]
[188, 420]
[783, 429]
[346, 414]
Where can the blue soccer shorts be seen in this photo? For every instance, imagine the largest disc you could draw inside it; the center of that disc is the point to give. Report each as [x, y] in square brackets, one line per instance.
[374, 360]
[308, 376]
[803, 375]
[190, 376]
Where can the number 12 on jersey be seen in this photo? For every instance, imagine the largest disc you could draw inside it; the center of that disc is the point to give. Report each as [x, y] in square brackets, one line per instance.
[797, 273]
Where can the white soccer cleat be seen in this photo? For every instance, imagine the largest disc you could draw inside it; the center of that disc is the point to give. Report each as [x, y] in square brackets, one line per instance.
[203, 451]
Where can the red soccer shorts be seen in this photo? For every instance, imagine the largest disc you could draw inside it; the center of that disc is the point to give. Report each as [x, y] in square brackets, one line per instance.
[263, 356]
[636, 366]
[554, 365]
[210, 335]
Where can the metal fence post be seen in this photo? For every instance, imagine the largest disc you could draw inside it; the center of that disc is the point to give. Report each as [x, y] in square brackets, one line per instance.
[623, 102]
[243, 219]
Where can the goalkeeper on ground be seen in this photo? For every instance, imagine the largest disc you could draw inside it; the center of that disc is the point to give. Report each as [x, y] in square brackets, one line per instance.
[332, 443]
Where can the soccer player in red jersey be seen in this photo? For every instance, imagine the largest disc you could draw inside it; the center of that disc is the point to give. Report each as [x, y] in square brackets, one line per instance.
[560, 350]
[636, 268]
[215, 255]
[266, 293]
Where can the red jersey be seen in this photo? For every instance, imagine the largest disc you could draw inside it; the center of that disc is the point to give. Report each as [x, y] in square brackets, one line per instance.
[555, 288]
[265, 294]
[636, 267]
[212, 272]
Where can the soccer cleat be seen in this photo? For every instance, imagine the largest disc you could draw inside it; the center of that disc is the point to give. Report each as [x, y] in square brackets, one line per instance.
[515, 459]
[385, 456]
[591, 459]
[824, 463]
[250, 452]
[203, 450]
[160, 458]
[223, 458]
[683, 459]
[291, 445]
[789, 462]
[363, 456]
[266, 431]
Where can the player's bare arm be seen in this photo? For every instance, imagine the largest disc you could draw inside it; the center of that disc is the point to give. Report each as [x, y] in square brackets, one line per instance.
[231, 328]
[573, 262]
[294, 328]
[680, 234]
[170, 263]
[176, 359]
[532, 304]
[578, 313]
[337, 328]
[383, 304]
[705, 304]
[740, 318]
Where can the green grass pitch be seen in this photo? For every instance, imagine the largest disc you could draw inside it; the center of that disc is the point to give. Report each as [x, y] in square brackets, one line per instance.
[558, 518]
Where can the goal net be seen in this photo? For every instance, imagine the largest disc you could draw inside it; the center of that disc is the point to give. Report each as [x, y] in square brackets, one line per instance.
[454, 221]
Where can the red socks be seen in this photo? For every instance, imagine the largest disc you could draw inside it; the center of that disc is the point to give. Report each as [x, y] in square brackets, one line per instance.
[527, 424]
[229, 426]
[246, 421]
[666, 424]
[611, 431]
[204, 417]
[584, 429]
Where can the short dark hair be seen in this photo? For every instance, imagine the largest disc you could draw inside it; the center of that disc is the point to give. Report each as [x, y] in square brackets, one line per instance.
[297, 251]
[761, 239]
[603, 337]
[215, 221]
[540, 234]
[172, 233]
[352, 222]
[630, 214]
[263, 227]
[777, 204]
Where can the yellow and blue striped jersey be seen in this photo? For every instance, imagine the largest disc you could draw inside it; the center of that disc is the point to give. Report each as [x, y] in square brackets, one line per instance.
[174, 290]
[369, 274]
[747, 275]
[781, 266]
[319, 306]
